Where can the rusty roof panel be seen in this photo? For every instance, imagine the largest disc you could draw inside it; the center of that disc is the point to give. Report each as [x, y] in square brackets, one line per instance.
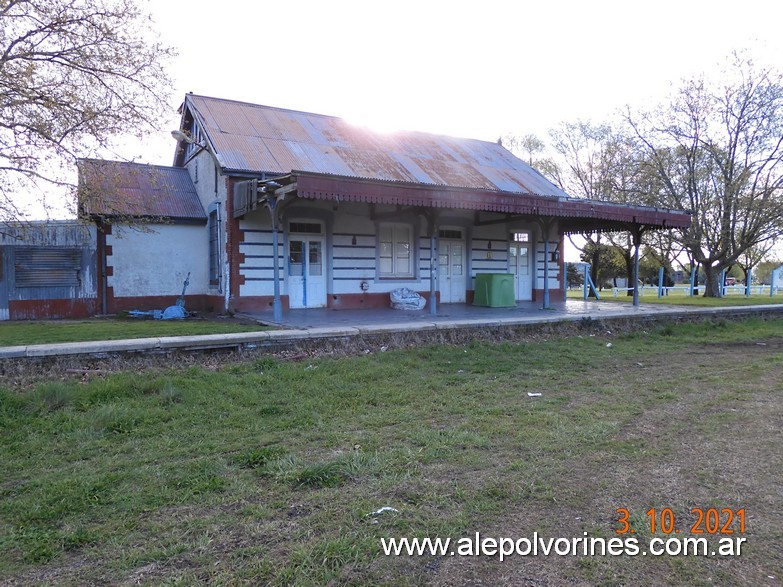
[118, 188]
[289, 155]
[574, 214]
[418, 174]
[357, 151]
[504, 182]
[234, 151]
[373, 164]
[227, 118]
[261, 139]
[262, 125]
[326, 157]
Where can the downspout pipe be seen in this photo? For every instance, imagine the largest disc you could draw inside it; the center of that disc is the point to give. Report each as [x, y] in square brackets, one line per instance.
[433, 274]
[104, 277]
[277, 305]
[637, 244]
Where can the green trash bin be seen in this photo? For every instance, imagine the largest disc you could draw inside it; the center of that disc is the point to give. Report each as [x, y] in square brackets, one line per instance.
[494, 290]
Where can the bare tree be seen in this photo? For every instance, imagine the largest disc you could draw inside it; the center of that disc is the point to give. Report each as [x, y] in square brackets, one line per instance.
[598, 163]
[74, 74]
[718, 151]
[752, 256]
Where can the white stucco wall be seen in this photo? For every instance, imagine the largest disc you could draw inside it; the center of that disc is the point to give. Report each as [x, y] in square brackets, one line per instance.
[211, 188]
[157, 261]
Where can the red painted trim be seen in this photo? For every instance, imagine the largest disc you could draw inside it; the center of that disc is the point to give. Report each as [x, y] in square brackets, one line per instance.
[333, 301]
[256, 303]
[103, 269]
[334, 187]
[41, 309]
[364, 300]
[555, 295]
[194, 303]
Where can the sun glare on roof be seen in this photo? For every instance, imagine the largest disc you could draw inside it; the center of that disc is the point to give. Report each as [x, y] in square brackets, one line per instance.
[372, 121]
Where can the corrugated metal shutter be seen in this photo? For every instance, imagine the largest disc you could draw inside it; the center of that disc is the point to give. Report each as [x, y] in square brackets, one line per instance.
[46, 267]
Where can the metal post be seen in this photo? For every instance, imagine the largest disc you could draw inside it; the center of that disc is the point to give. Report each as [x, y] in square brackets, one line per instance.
[693, 281]
[637, 241]
[722, 289]
[586, 282]
[546, 269]
[660, 282]
[433, 274]
[772, 284]
[277, 306]
[636, 276]
[747, 283]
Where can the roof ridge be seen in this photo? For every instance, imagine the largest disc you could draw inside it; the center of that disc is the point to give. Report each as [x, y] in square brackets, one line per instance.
[135, 163]
[345, 120]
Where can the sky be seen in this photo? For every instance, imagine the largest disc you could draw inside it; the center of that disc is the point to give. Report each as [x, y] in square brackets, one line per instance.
[477, 69]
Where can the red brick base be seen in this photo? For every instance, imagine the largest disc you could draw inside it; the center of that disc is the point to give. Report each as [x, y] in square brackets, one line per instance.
[42, 309]
[555, 295]
[194, 303]
[333, 301]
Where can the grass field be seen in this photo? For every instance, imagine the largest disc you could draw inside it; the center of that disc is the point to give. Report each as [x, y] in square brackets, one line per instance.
[266, 472]
[52, 331]
[680, 298]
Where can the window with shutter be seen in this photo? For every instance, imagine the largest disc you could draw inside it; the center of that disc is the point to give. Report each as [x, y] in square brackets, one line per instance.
[46, 267]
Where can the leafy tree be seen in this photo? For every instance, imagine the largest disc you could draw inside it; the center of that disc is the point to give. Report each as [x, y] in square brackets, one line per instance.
[574, 277]
[650, 263]
[764, 270]
[748, 260]
[531, 150]
[74, 74]
[601, 162]
[718, 152]
[609, 264]
[585, 153]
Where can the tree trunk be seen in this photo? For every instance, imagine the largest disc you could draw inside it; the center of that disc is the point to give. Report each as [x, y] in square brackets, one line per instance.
[594, 271]
[712, 286]
[628, 258]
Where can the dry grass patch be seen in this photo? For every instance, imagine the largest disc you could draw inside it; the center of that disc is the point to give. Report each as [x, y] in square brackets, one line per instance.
[264, 471]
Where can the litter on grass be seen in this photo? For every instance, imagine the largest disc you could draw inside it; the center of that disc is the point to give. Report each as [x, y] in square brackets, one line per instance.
[383, 510]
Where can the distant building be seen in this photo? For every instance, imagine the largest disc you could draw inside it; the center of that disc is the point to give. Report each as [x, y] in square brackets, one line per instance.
[48, 270]
[777, 277]
[355, 214]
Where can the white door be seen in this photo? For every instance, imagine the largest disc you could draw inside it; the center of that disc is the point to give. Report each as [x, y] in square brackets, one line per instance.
[451, 271]
[519, 265]
[306, 273]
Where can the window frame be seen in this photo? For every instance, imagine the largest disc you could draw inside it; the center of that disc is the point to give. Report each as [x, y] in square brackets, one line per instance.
[397, 238]
[46, 267]
[214, 242]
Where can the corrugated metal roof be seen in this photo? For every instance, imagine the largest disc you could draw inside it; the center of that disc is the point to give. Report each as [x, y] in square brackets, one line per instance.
[574, 214]
[122, 189]
[263, 139]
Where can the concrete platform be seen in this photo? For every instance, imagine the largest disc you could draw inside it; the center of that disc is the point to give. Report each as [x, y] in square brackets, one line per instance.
[313, 324]
[462, 314]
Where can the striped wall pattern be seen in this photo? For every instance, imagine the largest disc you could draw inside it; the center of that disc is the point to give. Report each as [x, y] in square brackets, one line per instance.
[348, 265]
[488, 256]
[257, 267]
[554, 267]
